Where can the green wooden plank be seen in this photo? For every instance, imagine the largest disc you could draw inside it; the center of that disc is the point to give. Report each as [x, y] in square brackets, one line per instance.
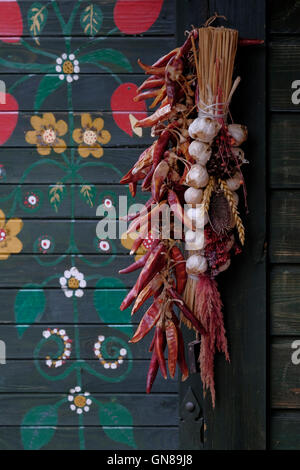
[283, 71]
[285, 429]
[22, 376]
[119, 138]
[56, 233]
[285, 382]
[284, 151]
[164, 24]
[88, 336]
[56, 303]
[146, 438]
[163, 409]
[16, 201]
[16, 58]
[285, 300]
[285, 227]
[284, 16]
[83, 99]
[15, 161]
[19, 270]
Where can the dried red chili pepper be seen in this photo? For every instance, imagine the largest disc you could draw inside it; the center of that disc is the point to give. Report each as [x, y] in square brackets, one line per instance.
[172, 342]
[150, 69]
[165, 59]
[181, 353]
[140, 262]
[159, 176]
[159, 345]
[151, 82]
[177, 208]
[180, 271]
[186, 311]
[145, 95]
[153, 265]
[132, 188]
[148, 321]
[161, 114]
[152, 372]
[149, 290]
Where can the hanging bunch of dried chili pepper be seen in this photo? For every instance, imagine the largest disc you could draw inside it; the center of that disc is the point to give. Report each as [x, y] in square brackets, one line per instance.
[192, 171]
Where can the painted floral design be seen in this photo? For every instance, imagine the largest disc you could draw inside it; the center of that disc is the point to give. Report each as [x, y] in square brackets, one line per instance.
[80, 401]
[61, 334]
[9, 243]
[108, 364]
[72, 283]
[68, 67]
[47, 134]
[90, 136]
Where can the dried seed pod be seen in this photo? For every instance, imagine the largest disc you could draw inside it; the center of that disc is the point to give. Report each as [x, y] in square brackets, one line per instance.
[204, 129]
[200, 151]
[196, 264]
[239, 133]
[197, 177]
[193, 196]
[235, 182]
[220, 214]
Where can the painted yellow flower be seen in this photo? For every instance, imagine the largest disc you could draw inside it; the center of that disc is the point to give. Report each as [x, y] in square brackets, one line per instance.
[46, 134]
[90, 136]
[127, 241]
[9, 243]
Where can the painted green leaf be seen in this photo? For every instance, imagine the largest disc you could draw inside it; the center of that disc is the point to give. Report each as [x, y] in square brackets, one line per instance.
[36, 435]
[56, 194]
[29, 306]
[108, 296]
[48, 85]
[88, 193]
[91, 20]
[117, 423]
[110, 58]
[37, 18]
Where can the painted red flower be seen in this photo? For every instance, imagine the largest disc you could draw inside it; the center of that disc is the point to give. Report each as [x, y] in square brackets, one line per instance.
[8, 117]
[136, 16]
[125, 111]
[11, 23]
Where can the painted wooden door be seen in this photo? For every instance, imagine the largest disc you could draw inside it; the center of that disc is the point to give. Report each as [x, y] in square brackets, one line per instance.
[71, 380]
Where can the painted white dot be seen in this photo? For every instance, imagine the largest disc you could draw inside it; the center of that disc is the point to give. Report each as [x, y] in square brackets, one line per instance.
[123, 352]
[58, 68]
[104, 245]
[59, 60]
[73, 407]
[101, 338]
[64, 56]
[86, 408]
[89, 401]
[120, 361]
[106, 365]
[71, 57]
[32, 200]
[70, 398]
[114, 366]
[77, 389]
[72, 390]
[75, 62]
[68, 353]
[108, 203]
[79, 411]
[61, 77]
[75, 77]
[69, 78]
[62, 332]
[46, 334]
[76, 69]
[45, 244]
[97, 345]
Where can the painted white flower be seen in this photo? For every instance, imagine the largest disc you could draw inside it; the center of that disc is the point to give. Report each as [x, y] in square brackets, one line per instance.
[79, 401]
[72, 282]
[67, 66]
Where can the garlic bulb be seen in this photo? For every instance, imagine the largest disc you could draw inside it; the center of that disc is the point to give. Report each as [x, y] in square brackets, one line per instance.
[196, 264]
[239, 133]
[198, 216]
[193, 196]
[235, 182]
[239, 154]
[200, 151]
[204, 129]
[197, 177]
[194, 240]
